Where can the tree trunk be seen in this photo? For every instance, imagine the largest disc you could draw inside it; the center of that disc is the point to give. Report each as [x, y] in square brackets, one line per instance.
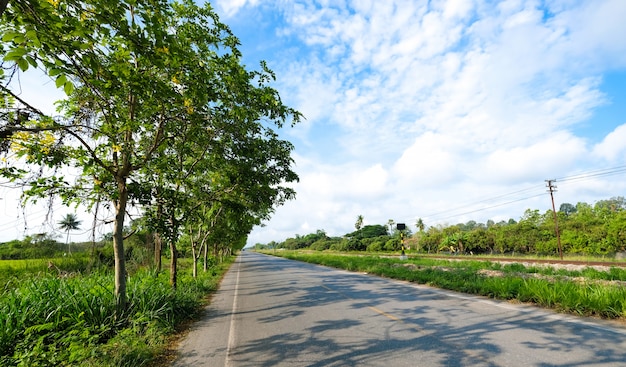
[206, 257]
[118, 246]
[194, 270]
[67, 240]
[158, 246]
[173, 264]
[3, 6]
[173, 252]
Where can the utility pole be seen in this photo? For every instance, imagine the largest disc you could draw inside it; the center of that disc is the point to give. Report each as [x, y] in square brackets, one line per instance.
[552, 189]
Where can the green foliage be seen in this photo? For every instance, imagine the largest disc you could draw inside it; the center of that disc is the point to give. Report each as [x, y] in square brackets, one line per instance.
[369, 231]
[35, 247]
[323, 244]
[393, 244]
[376, 246]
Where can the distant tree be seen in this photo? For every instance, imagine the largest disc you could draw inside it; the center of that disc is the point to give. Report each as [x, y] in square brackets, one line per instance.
[390, 223]
[567, 209]
[419, 224]
[359, 223]
[69, 223]
[470, 225]
[369, 231]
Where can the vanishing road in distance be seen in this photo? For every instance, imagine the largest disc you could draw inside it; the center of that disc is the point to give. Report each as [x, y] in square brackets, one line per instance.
[275, 312]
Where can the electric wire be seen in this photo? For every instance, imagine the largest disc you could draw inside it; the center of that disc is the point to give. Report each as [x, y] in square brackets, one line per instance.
[454, 212]
[593, 174]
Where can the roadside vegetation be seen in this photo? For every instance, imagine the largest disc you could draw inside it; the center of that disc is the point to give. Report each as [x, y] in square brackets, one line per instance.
[597, 230]
[62, 310]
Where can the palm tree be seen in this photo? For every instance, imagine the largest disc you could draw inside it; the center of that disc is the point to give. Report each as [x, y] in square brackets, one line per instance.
[420, 224]
[69, 223]
[359, 224]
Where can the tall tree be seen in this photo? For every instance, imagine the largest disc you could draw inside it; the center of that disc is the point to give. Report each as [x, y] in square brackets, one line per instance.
[419, 224]
[359, 223]
[69, 223]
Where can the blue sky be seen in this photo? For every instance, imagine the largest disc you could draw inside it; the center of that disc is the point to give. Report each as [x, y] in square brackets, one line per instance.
[443, 110]
[448, 111]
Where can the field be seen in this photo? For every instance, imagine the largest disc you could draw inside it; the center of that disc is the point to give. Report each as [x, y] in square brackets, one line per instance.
[581, 290]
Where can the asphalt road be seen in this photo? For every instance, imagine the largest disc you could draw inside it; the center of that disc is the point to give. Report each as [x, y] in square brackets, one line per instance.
[275, 312]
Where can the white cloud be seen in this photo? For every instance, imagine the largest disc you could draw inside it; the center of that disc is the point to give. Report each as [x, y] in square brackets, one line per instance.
[613, 147]
[231, 7]
[431, 161]
[545, 159]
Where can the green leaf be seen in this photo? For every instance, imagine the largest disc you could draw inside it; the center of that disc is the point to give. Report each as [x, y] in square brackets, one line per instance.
[32, 35]
[54, 72]
[69, 88]
[15, 54]
[61, 81]
[9, 36]
[31, 60]
[23, 64]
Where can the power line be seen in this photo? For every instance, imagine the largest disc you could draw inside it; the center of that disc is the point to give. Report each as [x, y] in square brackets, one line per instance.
[452, 213]
[483, 201]
[592, 174]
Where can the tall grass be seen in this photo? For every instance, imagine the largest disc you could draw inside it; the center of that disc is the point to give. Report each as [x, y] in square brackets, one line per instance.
[52, 321]
[554, 289]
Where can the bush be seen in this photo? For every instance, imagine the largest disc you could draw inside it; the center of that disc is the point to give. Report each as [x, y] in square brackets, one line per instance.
[322, 245]
[393, 244]
[375, 246]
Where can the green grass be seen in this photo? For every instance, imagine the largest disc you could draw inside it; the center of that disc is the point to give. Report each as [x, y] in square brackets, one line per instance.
[553, 288]
[15, 271]
[47, 320]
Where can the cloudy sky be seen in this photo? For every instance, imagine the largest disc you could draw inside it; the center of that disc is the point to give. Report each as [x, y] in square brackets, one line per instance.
[445, 110]
[448, 111]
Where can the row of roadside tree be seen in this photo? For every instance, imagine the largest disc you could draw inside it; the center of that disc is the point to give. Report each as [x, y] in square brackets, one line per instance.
[160, 114]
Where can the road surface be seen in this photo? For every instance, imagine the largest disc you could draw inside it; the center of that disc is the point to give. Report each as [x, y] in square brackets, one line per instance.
[275, 312]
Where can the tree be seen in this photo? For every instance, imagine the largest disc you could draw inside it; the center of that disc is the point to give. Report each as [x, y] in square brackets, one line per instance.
[419, 224]
[136, 72]
[369, 231]
[69, 223]
[359, 223]
[567, 208]
[390, 223]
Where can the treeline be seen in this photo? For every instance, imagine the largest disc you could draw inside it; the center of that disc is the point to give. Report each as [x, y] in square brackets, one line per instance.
[32, 247]
[585, 229]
